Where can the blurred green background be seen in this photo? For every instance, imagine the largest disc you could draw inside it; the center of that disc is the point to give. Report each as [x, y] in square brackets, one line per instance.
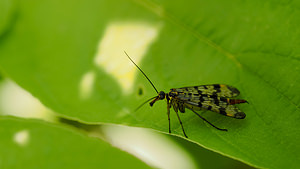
[68, 92]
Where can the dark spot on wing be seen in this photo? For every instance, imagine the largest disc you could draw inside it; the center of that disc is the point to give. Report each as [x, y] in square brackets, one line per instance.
[214, 96]
[216, 101]
[209, 108]
[222, 110]
[223, 99]
[204, 95]
[200, 104]
[234, 90]
[217, 86]
[240, 115]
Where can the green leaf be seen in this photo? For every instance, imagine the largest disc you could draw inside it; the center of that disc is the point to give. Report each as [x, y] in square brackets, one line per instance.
[7, 9]
[36, 144]
[208, 159]
[250, 45]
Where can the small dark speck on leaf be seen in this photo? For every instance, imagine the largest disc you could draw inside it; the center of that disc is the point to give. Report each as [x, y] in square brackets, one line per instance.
[140, 91]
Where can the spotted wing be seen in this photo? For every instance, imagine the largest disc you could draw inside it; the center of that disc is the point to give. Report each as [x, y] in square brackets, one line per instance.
[219, 105]
[219, 90]
[210, 97]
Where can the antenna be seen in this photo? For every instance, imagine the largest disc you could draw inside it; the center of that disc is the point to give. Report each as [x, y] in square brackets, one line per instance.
[142, 72]
[144, 103]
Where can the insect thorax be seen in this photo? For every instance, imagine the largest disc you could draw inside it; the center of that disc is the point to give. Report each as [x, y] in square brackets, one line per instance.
[173, 93]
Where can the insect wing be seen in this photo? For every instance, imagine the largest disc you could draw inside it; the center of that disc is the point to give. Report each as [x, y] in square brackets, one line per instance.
[219, 90]
[218, 105]
[210, 100]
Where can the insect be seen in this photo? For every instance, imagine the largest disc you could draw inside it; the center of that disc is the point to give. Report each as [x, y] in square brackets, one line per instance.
[214, 97]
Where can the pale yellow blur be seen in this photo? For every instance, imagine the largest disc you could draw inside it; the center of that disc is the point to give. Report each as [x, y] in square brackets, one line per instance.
[21, 138]
[155, 149]
[133, 37]
[18, 102]
[86, 85]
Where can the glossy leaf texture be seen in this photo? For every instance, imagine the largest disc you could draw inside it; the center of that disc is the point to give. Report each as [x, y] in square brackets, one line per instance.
[36, 144]
[252, 45]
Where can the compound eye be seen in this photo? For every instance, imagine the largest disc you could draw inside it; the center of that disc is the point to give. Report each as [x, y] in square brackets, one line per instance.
[161, 95]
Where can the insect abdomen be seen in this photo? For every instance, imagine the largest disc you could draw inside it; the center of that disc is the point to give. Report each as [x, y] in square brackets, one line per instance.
[236, 101]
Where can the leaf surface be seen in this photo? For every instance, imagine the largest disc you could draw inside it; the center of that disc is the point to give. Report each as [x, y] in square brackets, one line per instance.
[31, 144]
[251, 45]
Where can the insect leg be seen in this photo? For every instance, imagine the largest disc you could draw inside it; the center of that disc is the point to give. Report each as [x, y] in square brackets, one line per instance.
[168, 112]
[208, 121]
[181, 124]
